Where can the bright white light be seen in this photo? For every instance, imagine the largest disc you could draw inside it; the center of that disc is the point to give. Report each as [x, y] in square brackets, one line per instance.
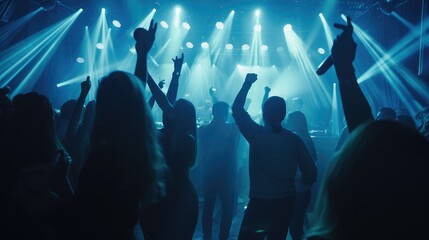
[186, 26]
[154, 10]
[321, 15]
[103, 10]
[80, 60]
[133, 50]
[232, 11]
[229, 46]
[264, 48]
[163, 24]
[238, 65]
[116, 23]
[287, 28]
[245, 47]
[205, 45]
[219, 25]
[257, 28]
[178, 10]
[189, 45]
[99, 46]
[258, 12]
[321, 51]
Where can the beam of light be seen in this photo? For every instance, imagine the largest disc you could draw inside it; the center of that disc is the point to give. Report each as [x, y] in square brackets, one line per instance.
[220, 37]
[163, 24]
[328, 32]
[162, 49]
[335, 126]
[145, 22]
[186, 25]
[404, 21]
[176, 21]
[318, 93]
[403, 49]
[33, 54]
[205, 45]
[116, 23]
[9, 31]
[394, 73]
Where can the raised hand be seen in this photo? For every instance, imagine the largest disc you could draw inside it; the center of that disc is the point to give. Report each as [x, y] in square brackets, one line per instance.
[212, 91]
[85, 86]
[178, 62]
[251, 78]
[267, 89]
[344, 48]
[161, 84]
[145, 38]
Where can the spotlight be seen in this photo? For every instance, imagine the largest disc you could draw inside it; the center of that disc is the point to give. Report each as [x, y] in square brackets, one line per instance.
[154, 10]
[245, 47]
[189, 45]
[321, 51]
[287, 28]
[116, 23]
[133, 50]
[205, 45]
[320, 14]
[163, 24]
[264, 48]
[257, 12]
[229, 46]
[99, 46]
[186, 26]
[178, 10]
[232, 11]
[80, 60]
[103, 10]
[257, 28]
[219, 25]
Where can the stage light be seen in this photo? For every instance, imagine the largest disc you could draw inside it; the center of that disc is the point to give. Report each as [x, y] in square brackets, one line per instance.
[257, 28]
[245, 47]
[133, 50]
[258, 12]
[80, 60]
[205, 45]
[320, 14]
[103, 10]
[264, 48]
[154, 9]
[219, 25]
[232, 12]
[189, 45]
[116, 23]
[178, 10]
[186, 26]
[321, 51]
[229, 46]
[99, 46]
[287, 28]
[163, 24]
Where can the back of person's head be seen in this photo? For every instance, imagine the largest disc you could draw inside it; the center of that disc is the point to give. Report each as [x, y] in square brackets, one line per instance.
[297, 104]
[297, 122]
[184, 117]
[67, 109]
[407, 121]
[377, 186]
[220, 111]
[123, 120]
[274, 110]
[34, 128]
[386, 113]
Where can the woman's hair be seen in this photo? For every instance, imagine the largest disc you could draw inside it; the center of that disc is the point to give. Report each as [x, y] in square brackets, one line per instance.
[123, 120]
[297, 122]
[34, 129]
[376, 186]
[184, 122]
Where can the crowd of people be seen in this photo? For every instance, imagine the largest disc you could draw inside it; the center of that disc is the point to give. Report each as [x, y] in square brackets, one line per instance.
[103, 171]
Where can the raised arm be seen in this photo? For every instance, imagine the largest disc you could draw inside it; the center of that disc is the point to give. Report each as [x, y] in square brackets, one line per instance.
[212, 92]
[159, 96]
[85, 86]
[174, 84]
[356, 107]
[152, 99]
[247, 126]
[144, 41]
[266, 95]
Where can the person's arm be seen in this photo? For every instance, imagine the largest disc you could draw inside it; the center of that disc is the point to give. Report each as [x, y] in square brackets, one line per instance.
[356, 107]
[306, 163]
[266, 95]
[247, 126]
[174, 84]
[159, 96]
[152, 99]
[144, 41]
[85, 86]
[212, 92]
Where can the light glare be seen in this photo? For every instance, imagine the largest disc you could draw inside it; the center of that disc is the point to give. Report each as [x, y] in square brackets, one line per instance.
[264, 48]
[80, 60]
[321, 51]
[229, 46]
[257, 28]
[99, 46]
[205, 45]
[287, 28]
[116, 23]
[164, 24]
[189, 45]
[245, 47]
[219, 25]
[186, 26]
